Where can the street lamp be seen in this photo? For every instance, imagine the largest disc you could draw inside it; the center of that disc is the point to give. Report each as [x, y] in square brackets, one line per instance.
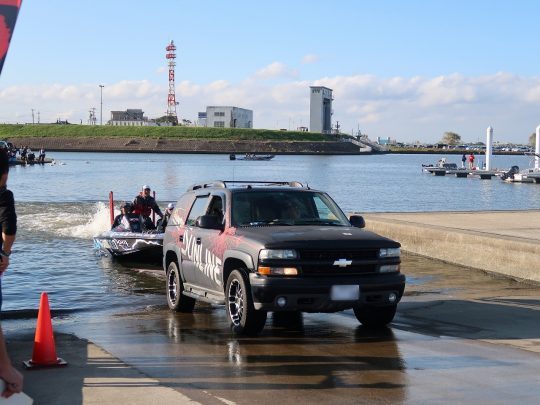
[101, 102]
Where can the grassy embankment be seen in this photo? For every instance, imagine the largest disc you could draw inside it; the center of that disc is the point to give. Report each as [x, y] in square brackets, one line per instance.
[178, 132]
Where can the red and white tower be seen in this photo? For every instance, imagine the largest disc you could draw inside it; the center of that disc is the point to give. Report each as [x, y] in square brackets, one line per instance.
[171, 99]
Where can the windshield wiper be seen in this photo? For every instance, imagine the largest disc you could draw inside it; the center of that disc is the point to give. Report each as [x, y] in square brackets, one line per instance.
[318, 221]
[269, 222]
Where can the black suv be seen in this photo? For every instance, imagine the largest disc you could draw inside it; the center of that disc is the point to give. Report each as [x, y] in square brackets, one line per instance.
[276, 246]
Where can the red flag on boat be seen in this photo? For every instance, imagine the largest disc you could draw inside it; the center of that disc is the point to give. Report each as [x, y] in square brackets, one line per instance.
[9, 9]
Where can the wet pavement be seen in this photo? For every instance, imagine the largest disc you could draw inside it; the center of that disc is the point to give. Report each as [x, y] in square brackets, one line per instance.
[460, 335]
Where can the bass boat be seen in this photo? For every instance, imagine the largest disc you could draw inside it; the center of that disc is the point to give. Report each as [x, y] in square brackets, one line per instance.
[134, 239]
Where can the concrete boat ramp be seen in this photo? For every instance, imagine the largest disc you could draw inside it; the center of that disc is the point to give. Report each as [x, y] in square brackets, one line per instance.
[499, 242]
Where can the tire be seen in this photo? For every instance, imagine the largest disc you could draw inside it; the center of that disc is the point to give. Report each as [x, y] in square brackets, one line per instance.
[174, 289]
[243, 317]
[375, 317]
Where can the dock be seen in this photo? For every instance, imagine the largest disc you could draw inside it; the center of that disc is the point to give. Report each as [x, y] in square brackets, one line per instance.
[463, 173]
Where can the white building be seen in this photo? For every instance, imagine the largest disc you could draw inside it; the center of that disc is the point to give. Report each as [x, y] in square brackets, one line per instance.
[320, 110]
[228, 117]
[133, 117]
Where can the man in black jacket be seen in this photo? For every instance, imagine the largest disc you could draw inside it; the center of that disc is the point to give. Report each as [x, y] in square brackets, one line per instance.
[8, 223]
[8, 218]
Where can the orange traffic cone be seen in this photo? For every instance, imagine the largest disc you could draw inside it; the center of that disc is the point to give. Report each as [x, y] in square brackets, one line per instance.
[44, 354]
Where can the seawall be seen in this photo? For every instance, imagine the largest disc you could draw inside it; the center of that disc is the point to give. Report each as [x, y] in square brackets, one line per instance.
[501, 242]
[171, 145]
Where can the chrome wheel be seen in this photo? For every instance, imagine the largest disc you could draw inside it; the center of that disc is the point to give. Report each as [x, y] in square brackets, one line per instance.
[236, 302]
[244, 318]
[176, 300]
[172, 287]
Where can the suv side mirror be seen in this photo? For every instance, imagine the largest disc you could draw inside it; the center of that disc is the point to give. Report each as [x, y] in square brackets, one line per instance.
[357, 221]
[209, 222]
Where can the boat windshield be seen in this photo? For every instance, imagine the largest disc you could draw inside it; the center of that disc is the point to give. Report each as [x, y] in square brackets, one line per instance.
[287, 207]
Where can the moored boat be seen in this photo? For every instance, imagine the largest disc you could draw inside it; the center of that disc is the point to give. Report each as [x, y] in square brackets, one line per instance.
[252, 156]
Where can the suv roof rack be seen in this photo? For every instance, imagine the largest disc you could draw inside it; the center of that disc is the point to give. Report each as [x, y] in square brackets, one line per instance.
[247, 184]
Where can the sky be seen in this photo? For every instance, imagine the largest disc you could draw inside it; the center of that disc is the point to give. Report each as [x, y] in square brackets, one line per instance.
[409, 70]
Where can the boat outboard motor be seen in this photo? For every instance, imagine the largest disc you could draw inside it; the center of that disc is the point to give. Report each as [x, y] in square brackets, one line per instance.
[510, 173]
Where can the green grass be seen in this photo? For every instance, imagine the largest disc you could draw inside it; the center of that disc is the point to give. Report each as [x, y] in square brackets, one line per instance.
[178, 132]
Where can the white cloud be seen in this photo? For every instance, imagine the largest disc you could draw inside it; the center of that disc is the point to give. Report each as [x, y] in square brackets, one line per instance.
[405, 108]
[310, 58]
[276, 70]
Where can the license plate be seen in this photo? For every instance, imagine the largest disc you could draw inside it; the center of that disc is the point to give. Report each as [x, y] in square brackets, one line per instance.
[345, 293]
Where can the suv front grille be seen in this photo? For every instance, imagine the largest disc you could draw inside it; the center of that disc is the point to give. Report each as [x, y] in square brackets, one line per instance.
[363, 254]
[330, 270]
[321, 262]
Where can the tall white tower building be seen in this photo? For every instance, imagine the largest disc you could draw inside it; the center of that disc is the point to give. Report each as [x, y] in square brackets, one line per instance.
[320, 110]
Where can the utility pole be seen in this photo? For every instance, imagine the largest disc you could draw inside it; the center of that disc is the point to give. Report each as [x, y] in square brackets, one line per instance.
[38, 117]
[101, 103]
[32, 116]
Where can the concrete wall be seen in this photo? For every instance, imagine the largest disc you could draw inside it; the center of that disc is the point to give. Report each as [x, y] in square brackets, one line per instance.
[510, 256]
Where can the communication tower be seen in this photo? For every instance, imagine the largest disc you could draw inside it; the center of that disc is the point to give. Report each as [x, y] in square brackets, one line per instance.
[92, 116]
[171, 99]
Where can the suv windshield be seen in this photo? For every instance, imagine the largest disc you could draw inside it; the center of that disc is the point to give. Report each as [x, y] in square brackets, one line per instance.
[271, 207]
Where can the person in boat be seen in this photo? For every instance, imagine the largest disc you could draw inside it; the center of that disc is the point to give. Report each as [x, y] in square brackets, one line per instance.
[162, 223]
[441, 162]
[125, 210]
[41, 156]
[23, 153]
[144, 203]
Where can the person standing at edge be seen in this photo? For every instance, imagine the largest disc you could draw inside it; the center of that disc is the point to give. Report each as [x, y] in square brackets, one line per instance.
[8, 223]
[471, 161]
[463, 160]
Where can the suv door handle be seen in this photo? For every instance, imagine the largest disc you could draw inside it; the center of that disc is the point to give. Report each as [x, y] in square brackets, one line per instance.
[198, 241]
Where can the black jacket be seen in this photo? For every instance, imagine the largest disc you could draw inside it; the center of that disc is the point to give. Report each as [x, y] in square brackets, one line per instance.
[8, 217]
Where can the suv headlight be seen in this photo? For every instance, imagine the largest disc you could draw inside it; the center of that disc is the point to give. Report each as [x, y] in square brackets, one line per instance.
[278, 254]
[390, 252]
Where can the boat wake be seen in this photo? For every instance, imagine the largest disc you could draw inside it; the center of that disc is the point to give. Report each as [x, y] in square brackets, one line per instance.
[66, 220]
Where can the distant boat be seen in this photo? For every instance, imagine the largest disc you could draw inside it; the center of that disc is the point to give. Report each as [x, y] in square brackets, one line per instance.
[251, 156]
[529, 175]
[441, 164]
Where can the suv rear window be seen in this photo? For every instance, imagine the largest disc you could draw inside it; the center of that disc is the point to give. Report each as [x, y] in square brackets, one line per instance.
[271, 207]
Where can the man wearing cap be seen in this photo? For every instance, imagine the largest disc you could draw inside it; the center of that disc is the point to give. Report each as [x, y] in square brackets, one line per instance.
[144, 203]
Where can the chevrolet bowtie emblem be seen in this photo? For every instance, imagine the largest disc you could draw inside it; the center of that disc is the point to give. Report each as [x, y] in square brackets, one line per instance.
[342, 262]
